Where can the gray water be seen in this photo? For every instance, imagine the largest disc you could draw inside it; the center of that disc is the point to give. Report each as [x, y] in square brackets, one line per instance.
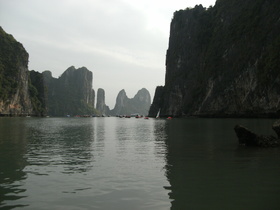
[113, 163]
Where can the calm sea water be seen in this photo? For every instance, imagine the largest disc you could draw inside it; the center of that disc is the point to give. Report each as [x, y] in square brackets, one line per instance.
[113, 163]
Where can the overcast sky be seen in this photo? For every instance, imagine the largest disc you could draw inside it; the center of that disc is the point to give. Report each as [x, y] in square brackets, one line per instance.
[123, 42]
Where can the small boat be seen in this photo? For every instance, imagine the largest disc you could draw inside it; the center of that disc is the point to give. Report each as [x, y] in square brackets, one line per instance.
[135, 115]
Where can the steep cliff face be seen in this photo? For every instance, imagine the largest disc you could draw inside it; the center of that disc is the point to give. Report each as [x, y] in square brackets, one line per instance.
[100, 102]
[37, 90]
[71, 93]
[120, 106]
[223, 61]
[140, 103]
[157, 102]
[15, 98]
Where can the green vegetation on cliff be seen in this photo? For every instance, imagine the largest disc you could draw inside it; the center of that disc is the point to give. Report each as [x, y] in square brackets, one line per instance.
[37, 90]
[71, 93]
[12, 55]
[20, 90]
[223, 61]
[24, 92]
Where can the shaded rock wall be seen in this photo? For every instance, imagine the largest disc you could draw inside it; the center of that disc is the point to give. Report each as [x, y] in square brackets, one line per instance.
[15, 99]
[71, 93]
[100, 102]
[223, 61]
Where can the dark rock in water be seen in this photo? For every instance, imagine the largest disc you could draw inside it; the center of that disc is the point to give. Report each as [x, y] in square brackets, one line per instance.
[267, 141]
[276, 128]
[249, 138]
[245, 136]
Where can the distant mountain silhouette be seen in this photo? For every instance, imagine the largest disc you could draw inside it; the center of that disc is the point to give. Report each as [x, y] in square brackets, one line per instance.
[139, 104]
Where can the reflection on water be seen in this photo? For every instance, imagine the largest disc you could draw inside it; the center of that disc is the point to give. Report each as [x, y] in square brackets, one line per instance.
[112, 163]
[208, 170]
[82, 163]
[53, 143]
[12, 161]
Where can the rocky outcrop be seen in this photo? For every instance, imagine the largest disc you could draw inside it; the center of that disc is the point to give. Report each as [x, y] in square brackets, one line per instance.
[15, 86]
[38, 92]
[71, 93]
[223, 61]
[120, 106]
[276, 128]
[251, 139]
[100, 103]
[157, 102]
[139, 104]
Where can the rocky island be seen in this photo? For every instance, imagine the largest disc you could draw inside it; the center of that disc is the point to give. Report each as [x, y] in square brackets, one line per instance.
[139, 104]
[100, 104]
[71, 93]
[30, 93]
[223, 61]
[19, 95]
[251, 139]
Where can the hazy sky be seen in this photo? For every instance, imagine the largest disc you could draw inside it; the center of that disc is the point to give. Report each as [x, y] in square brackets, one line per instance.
[123, 42]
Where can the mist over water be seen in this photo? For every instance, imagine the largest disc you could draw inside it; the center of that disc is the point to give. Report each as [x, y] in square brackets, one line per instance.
[113, 163]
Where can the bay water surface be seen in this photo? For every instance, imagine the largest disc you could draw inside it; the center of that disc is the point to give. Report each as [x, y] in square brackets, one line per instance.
[113, 163]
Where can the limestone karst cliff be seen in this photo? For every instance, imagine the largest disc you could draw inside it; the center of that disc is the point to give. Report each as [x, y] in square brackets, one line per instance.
[38, 92]
[101, 107]
[24, 92]
[18, 96]
[223, 61]
[71, 93]
[140, 103]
